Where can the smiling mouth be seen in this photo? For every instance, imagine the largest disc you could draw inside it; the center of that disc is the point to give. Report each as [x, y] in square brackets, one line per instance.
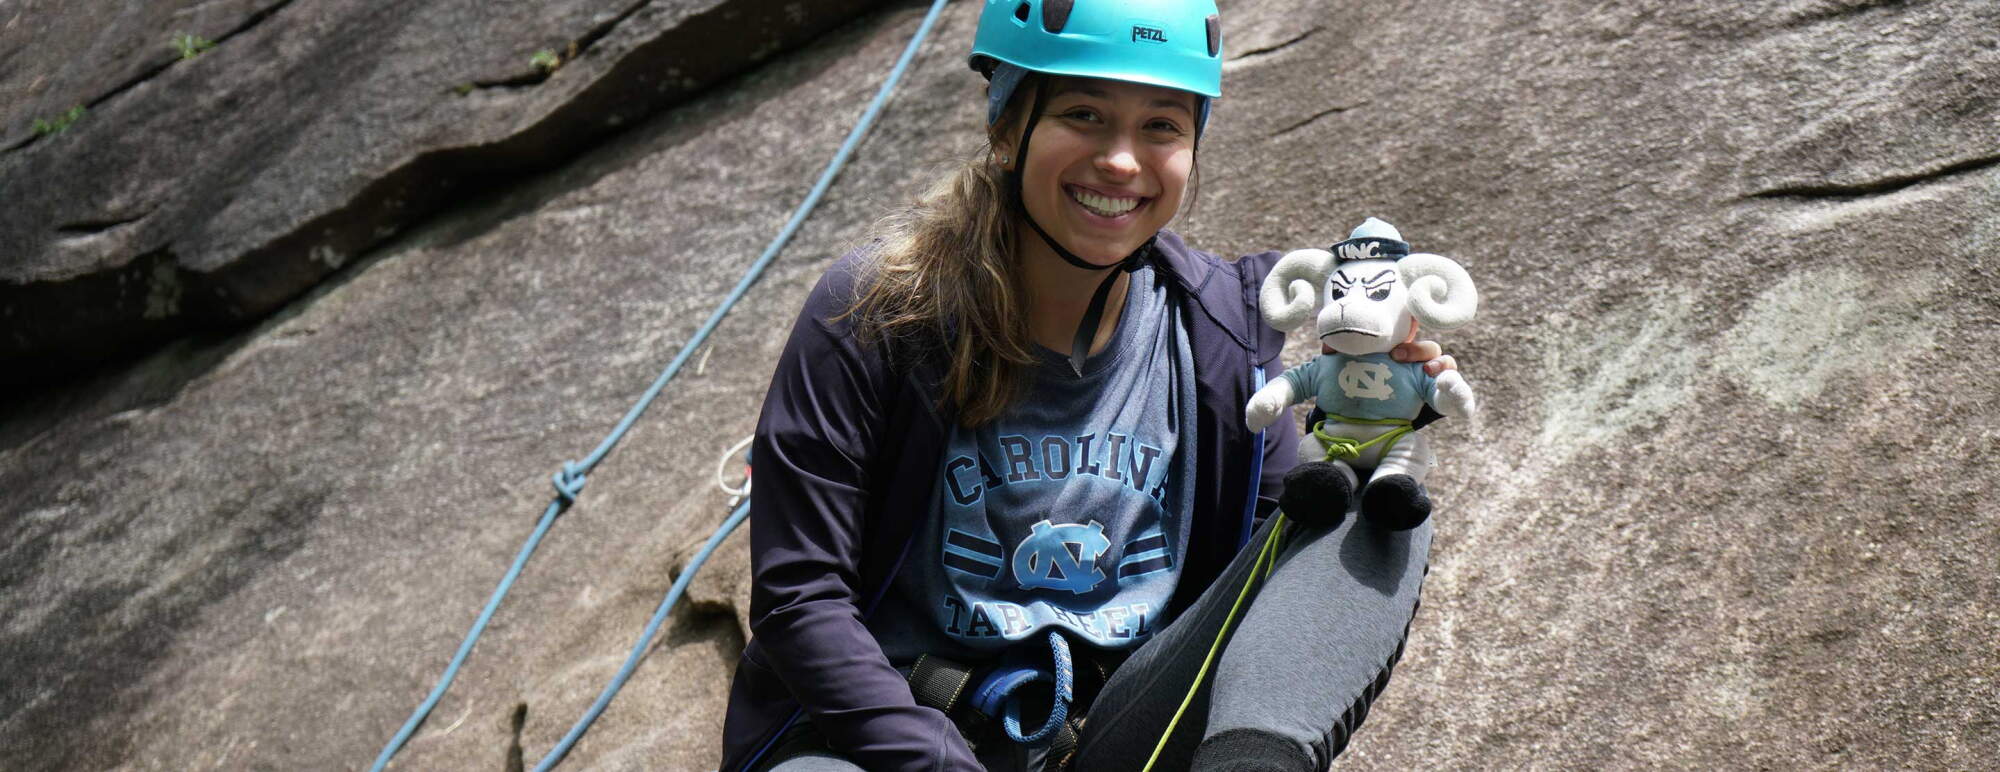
[1102, 205]
[1355, 330]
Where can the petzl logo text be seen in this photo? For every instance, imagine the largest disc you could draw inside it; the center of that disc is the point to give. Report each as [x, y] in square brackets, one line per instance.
[1155, 34]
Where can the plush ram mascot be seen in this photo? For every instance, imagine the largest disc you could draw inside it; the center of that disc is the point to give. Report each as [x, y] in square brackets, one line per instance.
[1367, 294]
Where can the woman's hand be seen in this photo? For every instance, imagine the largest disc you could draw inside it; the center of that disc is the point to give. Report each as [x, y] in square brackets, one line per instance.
[1425, 351]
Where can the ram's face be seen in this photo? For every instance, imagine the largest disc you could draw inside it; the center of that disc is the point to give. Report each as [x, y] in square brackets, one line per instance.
[1366, 308]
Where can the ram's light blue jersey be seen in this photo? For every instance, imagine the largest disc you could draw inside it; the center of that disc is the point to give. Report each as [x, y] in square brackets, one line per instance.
[1371, 386]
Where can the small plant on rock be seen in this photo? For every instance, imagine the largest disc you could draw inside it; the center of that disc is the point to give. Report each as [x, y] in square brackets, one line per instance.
[545, 60]
[58, 124]
[191, 46]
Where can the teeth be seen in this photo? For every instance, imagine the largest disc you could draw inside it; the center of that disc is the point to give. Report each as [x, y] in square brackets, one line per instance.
[1108, 207]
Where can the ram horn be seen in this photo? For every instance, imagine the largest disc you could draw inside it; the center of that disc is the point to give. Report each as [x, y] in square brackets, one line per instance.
[1441, 292]
[1291, 293]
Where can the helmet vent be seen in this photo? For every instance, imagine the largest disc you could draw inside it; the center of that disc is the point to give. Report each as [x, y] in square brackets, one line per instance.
[1214, 34]
[1055, 15]
[1021, 12]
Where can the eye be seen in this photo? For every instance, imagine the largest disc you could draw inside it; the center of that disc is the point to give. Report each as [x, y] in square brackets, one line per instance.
[1336, 293]
[1165, 126]
[1081, 114]
[1379, 294]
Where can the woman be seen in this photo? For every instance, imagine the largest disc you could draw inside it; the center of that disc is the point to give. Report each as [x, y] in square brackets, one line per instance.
[1003, 479]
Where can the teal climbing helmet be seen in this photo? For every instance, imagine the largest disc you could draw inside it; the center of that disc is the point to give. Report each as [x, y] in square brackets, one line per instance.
[1171, 43]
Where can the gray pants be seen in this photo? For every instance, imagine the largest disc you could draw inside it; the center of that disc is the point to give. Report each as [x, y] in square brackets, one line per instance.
[1304, 656]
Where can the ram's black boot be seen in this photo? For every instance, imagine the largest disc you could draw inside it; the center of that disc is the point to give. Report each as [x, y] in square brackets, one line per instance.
[1316, 494]
[1396, 502]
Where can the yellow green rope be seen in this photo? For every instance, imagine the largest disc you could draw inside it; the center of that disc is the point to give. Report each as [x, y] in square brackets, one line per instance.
[1266, 560]
[1349, 448]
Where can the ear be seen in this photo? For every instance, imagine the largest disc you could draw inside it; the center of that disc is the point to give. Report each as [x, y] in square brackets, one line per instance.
[1003, 155]
[1005, 136]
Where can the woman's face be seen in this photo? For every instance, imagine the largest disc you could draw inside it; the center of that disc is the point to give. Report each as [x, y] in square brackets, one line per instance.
[1108, 164]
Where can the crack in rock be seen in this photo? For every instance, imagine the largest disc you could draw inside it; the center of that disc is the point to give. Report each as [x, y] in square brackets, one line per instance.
[515, 760]
[88, 228]
[524, 80]
[576, 48]
[583, 44]
[1316, 116]
[1838, 10]
[1841, 192]
[153, 72]
[1273, 48]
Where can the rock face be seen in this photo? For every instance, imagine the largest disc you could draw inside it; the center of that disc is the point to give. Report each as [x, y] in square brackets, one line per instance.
[1730, 501]
[212, 189]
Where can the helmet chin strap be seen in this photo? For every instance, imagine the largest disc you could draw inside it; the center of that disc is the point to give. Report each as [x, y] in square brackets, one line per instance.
[1093, 314]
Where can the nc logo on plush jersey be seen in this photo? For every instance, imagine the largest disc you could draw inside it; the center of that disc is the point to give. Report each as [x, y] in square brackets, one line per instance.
[1366, 380]
[1061, 557]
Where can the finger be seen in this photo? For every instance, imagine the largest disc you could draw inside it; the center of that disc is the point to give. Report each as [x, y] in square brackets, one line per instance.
[1442, 363]
[1416, 351]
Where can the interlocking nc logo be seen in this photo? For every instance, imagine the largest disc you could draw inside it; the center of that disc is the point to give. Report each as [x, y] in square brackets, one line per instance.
[1366, 380]
[1061, 557]
[1154, 34]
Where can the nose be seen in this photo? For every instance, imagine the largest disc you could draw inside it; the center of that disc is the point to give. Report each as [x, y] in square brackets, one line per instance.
[1118, 160]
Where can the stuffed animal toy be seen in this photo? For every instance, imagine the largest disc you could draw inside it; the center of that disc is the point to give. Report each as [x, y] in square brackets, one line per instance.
[1367, 294]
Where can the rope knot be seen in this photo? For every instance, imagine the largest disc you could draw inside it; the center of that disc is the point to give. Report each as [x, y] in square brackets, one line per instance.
[1342, 448]
[569, 482]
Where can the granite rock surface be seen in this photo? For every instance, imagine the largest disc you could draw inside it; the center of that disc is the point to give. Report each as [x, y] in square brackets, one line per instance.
[195, 186]
[1729, 503]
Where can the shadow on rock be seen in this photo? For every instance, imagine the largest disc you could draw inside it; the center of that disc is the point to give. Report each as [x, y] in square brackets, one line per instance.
[88, 652]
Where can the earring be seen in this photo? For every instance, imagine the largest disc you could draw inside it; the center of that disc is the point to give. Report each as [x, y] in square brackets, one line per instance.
[1004, 159]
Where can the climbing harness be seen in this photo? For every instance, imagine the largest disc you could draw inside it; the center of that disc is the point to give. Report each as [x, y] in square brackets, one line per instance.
[947, 686]
[1349, 448]
[569, 481]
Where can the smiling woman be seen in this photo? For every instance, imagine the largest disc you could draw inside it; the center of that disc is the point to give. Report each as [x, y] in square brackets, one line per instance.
[1108, 174]
[1109, 169]
[975, 267]
[1002, 469]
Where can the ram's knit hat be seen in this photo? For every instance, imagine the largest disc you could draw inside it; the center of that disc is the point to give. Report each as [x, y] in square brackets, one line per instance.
[1372, 240]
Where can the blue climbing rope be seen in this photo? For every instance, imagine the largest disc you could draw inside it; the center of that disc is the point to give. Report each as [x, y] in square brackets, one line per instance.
[569, 481]
[645, 640]
[1065, 677]
[450, 672]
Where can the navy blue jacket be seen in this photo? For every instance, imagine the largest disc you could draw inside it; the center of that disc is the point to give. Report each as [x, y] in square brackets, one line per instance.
[845, 453]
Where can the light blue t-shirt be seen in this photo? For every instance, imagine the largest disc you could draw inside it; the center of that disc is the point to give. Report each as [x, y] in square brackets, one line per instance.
[1371, 386]
[1068, 511]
